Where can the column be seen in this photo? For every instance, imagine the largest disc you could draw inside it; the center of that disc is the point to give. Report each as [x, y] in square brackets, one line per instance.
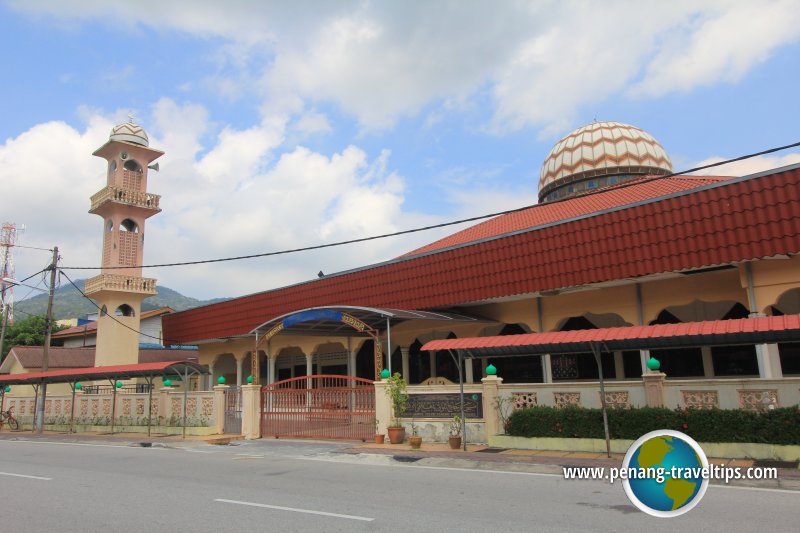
[708, 361]
[491, 391]
[644, 356]
[210, 376]
[654, 388]
[251, 411]
[547, 369]
[769, 361]
[239, 365]
[405, 367]
[164, 407]
[309, 364]
[619, 366]
[432, 362]
[468, 377]
[219, 408]
[271, 362]
[383, 408]
[351, 363]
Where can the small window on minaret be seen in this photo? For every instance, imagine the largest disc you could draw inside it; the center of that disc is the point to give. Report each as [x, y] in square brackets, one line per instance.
[132, 165]
[103, 311]
[124, 310]
[112, 165]
[129, 225]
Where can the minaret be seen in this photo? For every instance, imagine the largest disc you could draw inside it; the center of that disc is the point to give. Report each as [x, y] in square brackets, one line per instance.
[124, 204]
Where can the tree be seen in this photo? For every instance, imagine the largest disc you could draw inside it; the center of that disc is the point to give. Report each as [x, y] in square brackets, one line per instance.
[28, 332]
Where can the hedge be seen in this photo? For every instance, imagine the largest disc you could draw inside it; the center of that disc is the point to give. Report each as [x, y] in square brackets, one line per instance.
[777, 426]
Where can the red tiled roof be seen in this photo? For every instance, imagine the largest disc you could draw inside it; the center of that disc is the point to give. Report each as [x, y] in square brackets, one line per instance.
[539, 215]
[58, 357]
[101, 372]
[759, 330]
[733, 220]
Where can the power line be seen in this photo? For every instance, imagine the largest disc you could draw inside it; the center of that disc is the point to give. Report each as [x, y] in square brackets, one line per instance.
[432, 226]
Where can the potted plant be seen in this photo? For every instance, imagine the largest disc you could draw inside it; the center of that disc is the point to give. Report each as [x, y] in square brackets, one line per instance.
[455, 433]
[398, 397]
[379, 437]
[414, 440]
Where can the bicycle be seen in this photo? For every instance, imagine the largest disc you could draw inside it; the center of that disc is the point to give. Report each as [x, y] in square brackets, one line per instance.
[7, 417]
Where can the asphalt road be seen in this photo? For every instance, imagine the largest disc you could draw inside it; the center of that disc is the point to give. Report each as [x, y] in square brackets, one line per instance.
[290, 486]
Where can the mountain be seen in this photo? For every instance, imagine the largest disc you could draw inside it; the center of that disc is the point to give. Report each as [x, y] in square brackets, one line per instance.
[69, 303]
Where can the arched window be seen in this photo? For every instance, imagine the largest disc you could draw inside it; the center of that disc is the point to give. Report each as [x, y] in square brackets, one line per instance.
[128, 242]
[132, 165]
[103, 311]
[124, 310]
[129, 225]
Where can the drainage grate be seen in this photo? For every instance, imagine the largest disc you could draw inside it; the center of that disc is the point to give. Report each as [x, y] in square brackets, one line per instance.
[406, 458]
[493, 450]
[774, 463]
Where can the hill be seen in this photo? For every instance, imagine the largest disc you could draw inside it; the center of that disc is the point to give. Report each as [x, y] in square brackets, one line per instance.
[69, 303]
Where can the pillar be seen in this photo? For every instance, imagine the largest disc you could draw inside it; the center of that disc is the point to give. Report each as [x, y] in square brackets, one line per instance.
[219, 408]
[239, 365]
[468, 374]
[432, 362]
[405, 367]
[644, 356]
[251, 411]
[769, 361]
[547, 369]
[491, 391]
[619, 366]
[351, 363]
[210, 376]
[708, 361]
[271, 363]
[309, 364]
[383, 407]
[654, 388]
[164, 407]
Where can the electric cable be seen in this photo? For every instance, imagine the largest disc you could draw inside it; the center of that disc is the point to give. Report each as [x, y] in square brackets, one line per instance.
[432, 226]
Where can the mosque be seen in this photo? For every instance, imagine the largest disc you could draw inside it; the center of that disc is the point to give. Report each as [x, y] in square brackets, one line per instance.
[616, 240]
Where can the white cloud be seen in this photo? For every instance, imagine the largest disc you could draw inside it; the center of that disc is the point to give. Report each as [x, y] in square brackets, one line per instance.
[747, 166]
[542, 63]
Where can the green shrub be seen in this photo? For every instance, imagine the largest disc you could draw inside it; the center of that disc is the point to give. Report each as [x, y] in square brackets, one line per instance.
[778, 426]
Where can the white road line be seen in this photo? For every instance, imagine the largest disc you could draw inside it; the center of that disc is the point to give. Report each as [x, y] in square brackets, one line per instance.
[249, 455]
[759, 489]
[295, 510]
[28, 477]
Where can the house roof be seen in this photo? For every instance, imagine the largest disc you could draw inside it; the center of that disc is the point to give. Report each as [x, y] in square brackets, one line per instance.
[90, 328]
[58, 357]
[107, 372]
[622, 234]
[770, 329]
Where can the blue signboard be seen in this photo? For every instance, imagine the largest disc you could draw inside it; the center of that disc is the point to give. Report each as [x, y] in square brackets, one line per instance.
[313, 314]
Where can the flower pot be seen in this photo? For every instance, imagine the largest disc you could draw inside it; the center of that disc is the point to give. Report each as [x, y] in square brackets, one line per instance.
[396, 435]
[454, 441]
[415, 441]
[379, 438]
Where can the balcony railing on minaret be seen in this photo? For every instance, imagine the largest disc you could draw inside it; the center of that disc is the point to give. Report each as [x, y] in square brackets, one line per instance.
[117, 282]
[125, 196]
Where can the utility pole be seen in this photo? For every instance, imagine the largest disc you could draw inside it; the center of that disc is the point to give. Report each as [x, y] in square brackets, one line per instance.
[48, 326]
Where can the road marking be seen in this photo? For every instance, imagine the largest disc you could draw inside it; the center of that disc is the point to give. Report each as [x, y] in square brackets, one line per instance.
[80, 444]
[28, 477]
[759, 489]
[295, 510]
[249, 455]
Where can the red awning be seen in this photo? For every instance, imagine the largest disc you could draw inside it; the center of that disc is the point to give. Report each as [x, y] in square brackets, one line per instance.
[74, 375]
[761, 330]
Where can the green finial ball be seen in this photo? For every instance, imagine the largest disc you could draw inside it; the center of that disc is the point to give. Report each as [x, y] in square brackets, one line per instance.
[249, 379]
[491, 370]
[167, 382]
[221, 380]
[385, 373]
[78, 386]
[653, 364]
[118, 384]
[8, 388]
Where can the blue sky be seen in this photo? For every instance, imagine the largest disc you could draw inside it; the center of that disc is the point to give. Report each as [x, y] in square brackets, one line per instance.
[293, 124]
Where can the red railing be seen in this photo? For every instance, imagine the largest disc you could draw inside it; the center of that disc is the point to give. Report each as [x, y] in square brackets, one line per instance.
[320, 407]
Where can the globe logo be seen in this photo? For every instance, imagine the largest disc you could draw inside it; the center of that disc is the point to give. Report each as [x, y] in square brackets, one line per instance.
[665, 473]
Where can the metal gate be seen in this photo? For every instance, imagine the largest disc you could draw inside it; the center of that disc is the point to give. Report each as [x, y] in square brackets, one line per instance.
[320, 406]
[233, 411]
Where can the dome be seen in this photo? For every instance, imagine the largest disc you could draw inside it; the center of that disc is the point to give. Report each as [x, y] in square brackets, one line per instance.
[129, 132]
[597, 155]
